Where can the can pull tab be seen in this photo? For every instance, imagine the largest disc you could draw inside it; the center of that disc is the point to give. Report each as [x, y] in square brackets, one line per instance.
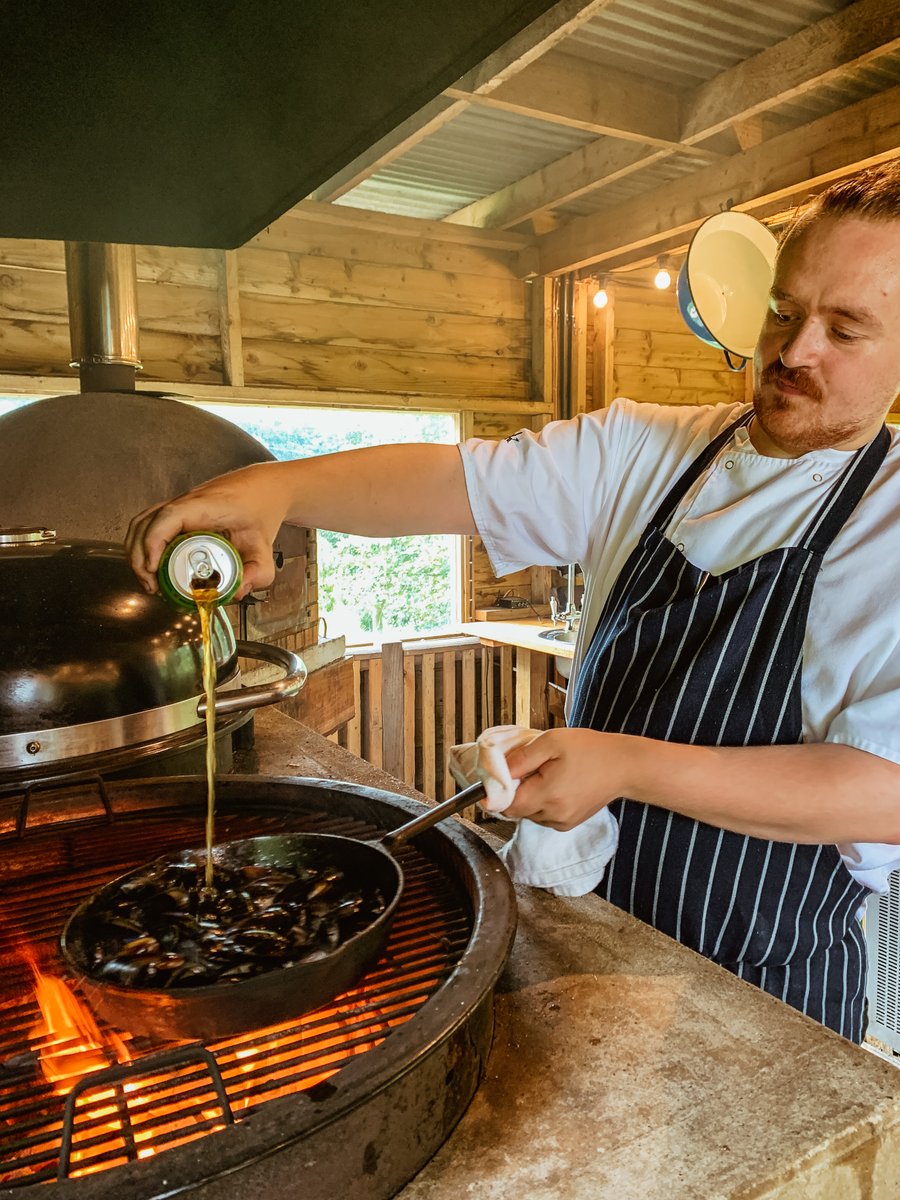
[203, 569]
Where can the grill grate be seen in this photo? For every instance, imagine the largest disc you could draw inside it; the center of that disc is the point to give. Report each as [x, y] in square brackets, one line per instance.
[150, 1107]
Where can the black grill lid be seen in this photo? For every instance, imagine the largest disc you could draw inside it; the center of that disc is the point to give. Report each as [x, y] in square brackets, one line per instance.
[81, 642]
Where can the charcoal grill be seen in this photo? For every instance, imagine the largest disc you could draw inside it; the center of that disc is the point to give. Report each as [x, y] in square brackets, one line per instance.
[349, 1100]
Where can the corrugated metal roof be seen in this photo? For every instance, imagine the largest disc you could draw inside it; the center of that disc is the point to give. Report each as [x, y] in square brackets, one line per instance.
[475, 154]
[687, 42]
[681, 43]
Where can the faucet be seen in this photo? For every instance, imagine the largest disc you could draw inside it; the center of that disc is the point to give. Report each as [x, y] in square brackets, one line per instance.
[570, 615]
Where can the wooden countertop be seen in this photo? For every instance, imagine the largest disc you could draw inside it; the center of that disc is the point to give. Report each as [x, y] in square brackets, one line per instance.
[626, 1067]
[524, 634]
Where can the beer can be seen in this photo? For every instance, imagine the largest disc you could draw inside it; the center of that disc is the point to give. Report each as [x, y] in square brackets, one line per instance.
[199, 559]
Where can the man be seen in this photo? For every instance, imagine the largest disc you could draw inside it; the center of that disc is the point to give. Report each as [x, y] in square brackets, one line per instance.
[738, 673]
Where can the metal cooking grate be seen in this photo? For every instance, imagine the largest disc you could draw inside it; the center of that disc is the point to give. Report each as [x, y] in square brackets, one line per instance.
[161, 1103]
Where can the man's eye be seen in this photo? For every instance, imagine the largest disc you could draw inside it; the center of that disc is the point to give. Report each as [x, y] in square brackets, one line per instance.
[781, 318]
[842, 335]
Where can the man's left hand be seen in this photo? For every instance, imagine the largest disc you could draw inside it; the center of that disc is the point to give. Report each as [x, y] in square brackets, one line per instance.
[569, 774]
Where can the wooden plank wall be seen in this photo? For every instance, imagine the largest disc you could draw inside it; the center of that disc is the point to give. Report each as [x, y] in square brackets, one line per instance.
[383, 307]
[640, 347]
[327, 298]
[416, 699]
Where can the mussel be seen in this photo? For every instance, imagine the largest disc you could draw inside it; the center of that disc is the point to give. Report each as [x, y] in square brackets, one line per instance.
[163, 928]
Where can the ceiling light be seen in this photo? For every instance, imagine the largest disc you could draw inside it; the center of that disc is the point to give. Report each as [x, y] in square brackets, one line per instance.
[601, 296]
[662, 279]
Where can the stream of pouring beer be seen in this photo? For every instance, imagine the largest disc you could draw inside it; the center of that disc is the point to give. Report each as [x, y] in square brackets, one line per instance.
[206, 600]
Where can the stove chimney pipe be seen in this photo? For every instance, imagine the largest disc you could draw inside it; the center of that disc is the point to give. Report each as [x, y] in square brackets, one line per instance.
[101, 280]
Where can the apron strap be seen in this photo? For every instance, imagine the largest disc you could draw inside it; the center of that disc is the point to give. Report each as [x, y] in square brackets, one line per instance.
[846, 493]
[679, 488]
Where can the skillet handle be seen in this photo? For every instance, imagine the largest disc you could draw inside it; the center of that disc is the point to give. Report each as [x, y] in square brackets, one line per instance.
[464, 799]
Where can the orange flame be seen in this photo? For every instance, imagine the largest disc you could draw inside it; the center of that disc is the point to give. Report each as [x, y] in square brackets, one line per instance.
[70, 1043]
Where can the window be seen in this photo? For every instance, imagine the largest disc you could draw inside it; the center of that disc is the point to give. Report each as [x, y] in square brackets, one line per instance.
[9, 403]
[368, 587]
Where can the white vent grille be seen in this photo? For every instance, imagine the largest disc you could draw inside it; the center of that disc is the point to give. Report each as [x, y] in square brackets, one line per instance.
[883, 938]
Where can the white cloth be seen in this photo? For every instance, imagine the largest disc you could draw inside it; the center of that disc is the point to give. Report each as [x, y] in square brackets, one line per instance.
[583, 491]
[569, 863]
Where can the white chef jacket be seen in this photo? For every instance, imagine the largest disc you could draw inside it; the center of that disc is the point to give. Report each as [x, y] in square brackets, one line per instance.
[583, 491]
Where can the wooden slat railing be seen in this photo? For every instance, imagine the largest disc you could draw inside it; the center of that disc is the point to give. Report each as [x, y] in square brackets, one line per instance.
[416, 699]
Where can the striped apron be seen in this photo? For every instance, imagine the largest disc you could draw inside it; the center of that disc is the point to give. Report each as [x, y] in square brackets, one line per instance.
[684, 656]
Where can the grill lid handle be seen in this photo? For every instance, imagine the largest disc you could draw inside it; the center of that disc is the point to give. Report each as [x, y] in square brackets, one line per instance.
[263, 693]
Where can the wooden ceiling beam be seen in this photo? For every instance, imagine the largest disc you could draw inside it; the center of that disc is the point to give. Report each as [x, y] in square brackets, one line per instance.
[565, 90]
[311, 213]
[849, 38]
[737, 98]
[592, 166]
[547, 31]
[787, 167]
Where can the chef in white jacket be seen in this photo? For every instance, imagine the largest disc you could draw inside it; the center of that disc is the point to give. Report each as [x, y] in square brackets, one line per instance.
[736, 698]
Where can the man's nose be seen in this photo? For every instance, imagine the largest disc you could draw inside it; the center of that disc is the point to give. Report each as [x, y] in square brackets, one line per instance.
[803, 347]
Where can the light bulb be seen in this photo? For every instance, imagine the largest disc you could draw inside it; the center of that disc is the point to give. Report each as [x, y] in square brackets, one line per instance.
[662, 279]
[601, 298]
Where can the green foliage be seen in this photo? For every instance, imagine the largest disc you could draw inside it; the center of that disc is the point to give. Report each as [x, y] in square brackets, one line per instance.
[390, 582]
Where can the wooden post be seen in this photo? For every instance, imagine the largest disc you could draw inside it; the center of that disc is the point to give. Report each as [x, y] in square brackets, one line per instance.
[409, 719]
[354, 738]
[468, 694]
[487, 686]
[448, 723]
[603, 388]
[507, 694]
[466, 545]
[375, 717]
[392, 708]
[579, 388]
[429, 782]
[543, 347]
[531, 689]
[230, 320]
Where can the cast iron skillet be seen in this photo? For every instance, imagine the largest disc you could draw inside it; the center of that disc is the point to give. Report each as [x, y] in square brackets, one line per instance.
[222, 1009]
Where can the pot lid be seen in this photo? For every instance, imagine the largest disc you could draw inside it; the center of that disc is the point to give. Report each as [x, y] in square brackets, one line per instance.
[80, 641]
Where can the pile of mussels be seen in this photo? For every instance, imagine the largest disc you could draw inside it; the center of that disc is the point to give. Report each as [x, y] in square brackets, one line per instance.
[162, 928]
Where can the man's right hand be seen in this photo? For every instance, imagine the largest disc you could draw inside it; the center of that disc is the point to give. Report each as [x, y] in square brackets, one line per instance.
[245, 506]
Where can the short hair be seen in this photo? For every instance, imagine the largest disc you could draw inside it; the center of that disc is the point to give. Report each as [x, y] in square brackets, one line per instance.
[873, 194]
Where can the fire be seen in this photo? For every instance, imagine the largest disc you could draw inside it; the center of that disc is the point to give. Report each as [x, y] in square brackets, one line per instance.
[168, 1097]
[69, 1041]
[71, 1045]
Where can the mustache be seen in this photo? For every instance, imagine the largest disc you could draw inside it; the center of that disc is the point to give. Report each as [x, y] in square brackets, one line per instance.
[795, 377]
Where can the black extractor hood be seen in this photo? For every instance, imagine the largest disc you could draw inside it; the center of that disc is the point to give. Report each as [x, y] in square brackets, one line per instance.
[197, 122]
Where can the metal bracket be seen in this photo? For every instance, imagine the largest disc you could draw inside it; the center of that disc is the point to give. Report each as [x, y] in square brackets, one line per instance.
[50, 785]
[116, 1077]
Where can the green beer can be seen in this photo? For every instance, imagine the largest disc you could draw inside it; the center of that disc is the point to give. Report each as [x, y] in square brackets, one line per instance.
[199, 559]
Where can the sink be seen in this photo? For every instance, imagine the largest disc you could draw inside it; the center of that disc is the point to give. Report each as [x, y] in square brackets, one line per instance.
[563, 665]
[559, 635]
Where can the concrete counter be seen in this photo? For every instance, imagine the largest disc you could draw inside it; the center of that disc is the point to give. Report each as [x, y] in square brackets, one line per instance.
[626, 1067]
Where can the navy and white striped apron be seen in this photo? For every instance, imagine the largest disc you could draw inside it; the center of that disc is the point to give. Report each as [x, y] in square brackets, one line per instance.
[685, 656]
